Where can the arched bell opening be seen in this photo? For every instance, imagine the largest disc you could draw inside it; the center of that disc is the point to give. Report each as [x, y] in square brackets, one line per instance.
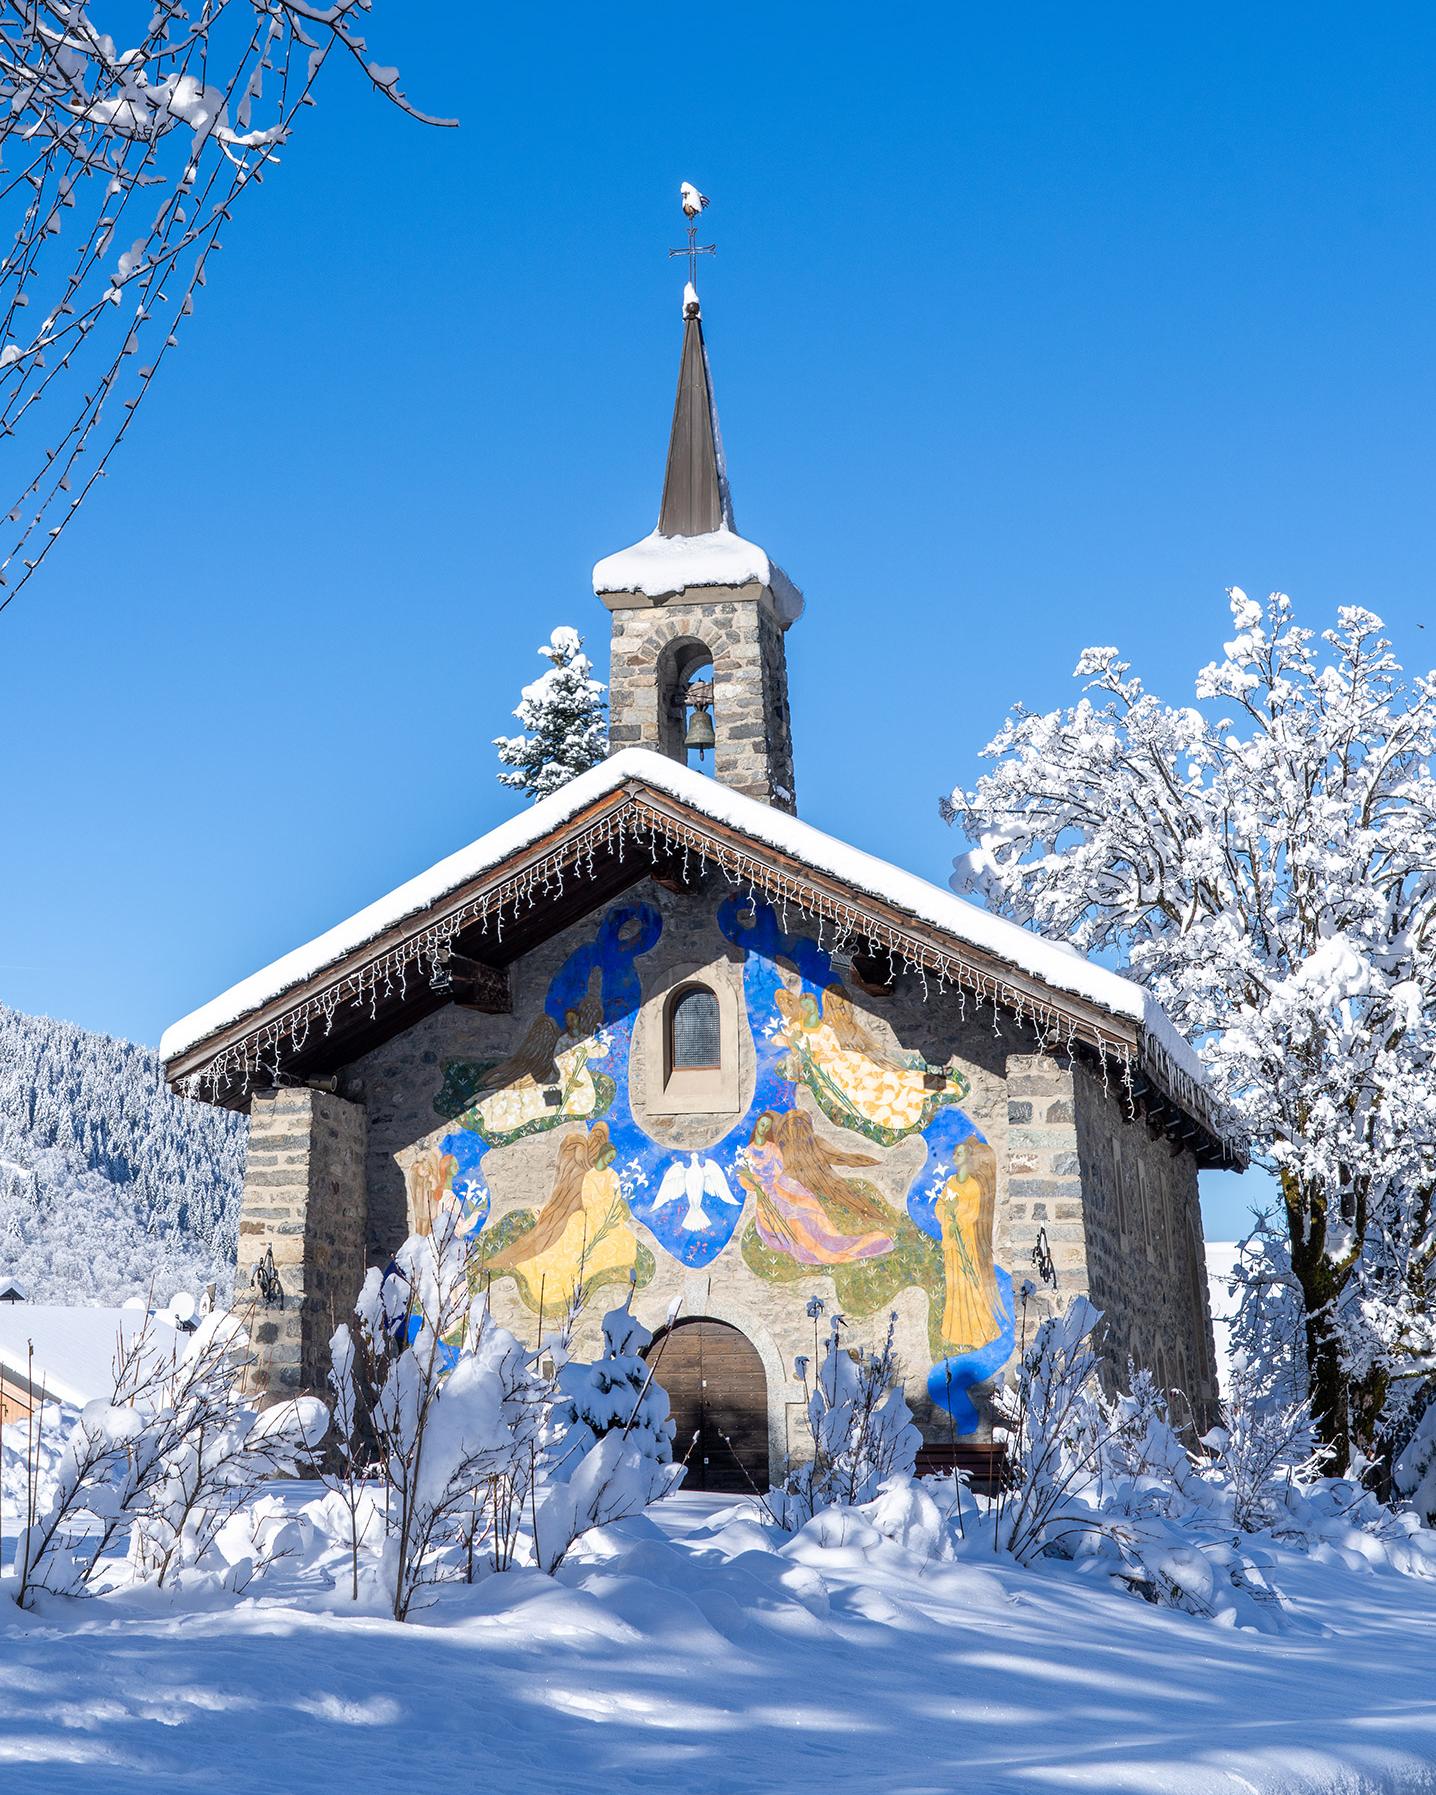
[685, 700]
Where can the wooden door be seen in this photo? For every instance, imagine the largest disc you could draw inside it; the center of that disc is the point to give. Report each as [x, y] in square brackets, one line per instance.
[718, 1393]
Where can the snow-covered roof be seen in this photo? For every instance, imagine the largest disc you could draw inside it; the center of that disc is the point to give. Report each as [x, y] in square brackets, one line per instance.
[660, 566]
[1055, 966]
[74, 1347]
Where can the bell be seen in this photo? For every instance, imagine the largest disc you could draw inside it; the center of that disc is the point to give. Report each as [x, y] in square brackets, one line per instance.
[700, 731]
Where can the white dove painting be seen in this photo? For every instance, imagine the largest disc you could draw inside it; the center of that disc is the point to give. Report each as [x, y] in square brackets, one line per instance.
[699, 1179]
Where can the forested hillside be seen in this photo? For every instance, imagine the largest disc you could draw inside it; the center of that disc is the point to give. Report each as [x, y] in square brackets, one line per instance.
[109, 1186]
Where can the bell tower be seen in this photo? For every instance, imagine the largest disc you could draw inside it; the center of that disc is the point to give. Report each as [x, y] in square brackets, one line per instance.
[699, 666]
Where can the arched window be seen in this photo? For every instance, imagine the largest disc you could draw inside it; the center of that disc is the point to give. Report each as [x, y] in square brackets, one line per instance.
[693, 1031]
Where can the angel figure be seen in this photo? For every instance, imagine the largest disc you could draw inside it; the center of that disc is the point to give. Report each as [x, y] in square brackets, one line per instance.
[805, 1209]
[583, 1232]
[519, 1091]
[972, 1312]
[860, 1082]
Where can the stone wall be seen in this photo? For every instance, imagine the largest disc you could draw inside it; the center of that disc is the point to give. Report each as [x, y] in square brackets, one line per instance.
[329, 1181]
[740, 629]
[305, 1200]
[1146, 1256]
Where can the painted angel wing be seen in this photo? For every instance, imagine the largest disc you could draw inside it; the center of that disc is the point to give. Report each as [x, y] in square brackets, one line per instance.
[670, 1188]
[715, 1183]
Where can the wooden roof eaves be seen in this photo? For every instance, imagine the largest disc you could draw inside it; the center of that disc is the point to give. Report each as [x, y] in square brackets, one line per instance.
[923, 944]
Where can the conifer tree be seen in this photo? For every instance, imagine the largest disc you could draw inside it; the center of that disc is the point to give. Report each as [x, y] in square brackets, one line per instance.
[563, 714]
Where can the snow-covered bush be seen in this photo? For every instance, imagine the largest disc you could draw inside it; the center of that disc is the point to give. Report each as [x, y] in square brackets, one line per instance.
[859, 1425]
[1260, 1449]
[1261, 862]
[615, 1454]
[564, 721]
[1110, 1485]
[1414, 1473]
[1055, 1432]
[161, 1468]
[448, 1403]
[490, 1454]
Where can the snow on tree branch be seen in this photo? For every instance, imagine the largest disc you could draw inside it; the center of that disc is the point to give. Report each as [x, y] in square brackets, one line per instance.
[1264, 861]
[563, 715]
[119, 168]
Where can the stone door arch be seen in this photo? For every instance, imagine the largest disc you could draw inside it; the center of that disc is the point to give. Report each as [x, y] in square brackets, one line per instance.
[718, 1394]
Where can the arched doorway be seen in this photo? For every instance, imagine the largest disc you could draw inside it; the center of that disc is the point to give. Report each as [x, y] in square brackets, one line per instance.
[718, 1392]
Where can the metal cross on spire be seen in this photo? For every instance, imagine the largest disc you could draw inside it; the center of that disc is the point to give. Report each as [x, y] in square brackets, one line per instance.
[693, 202]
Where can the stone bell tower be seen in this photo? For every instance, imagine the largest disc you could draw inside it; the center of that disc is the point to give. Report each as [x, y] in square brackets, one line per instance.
[699, 613]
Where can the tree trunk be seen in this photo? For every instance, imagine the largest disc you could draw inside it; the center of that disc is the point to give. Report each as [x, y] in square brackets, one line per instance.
[1320, 1286]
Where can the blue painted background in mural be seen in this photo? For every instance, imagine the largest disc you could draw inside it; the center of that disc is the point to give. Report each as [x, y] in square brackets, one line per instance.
[692, 1203]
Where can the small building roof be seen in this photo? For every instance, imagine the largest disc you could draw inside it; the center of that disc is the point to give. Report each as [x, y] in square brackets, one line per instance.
[74, 1348]
[656, 799]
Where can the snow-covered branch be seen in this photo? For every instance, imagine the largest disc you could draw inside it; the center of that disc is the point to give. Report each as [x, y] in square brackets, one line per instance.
[121, 168]
[1264, 861]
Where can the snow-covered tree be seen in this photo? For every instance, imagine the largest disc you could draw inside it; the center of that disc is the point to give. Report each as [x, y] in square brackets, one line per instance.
[109, 1186]
[1265, 863]
[162, 1467]
[563, 714]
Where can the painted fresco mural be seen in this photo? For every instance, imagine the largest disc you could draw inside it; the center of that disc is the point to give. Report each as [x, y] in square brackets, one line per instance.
[773, 1189]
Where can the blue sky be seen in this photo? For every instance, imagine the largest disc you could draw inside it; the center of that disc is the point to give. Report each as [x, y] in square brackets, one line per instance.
[1030, 327]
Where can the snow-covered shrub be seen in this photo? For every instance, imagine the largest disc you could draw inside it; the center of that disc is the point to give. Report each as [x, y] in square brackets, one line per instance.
[858, 1422]
[31, 1453]
[1055, 1432]
[615, 1455]
[449, 1403]
[563, 716]
[1414, 1472]
[1269, 1327]
[490, 1454]
[1260, 1449]
[162, 1467]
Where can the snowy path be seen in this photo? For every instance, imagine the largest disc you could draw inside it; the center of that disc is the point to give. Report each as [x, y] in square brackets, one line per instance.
[660, 1665]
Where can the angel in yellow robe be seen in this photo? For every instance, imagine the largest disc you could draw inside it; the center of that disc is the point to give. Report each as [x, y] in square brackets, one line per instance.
[972, 1311]
[582, 1233]
[844, 1064]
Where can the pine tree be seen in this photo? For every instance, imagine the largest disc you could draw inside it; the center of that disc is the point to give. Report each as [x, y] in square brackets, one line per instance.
[563, 715]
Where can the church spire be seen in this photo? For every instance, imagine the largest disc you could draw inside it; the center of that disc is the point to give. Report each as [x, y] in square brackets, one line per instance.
[695, 500]
[699, 614]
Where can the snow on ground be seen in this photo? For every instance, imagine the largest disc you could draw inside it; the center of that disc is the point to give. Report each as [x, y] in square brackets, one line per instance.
[689, 1653]
[74, 1348]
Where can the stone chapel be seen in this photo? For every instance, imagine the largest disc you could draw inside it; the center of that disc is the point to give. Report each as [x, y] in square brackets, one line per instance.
[657, 1033]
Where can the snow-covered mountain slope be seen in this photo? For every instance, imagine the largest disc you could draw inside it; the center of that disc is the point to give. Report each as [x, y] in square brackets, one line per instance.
[109, 1186]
